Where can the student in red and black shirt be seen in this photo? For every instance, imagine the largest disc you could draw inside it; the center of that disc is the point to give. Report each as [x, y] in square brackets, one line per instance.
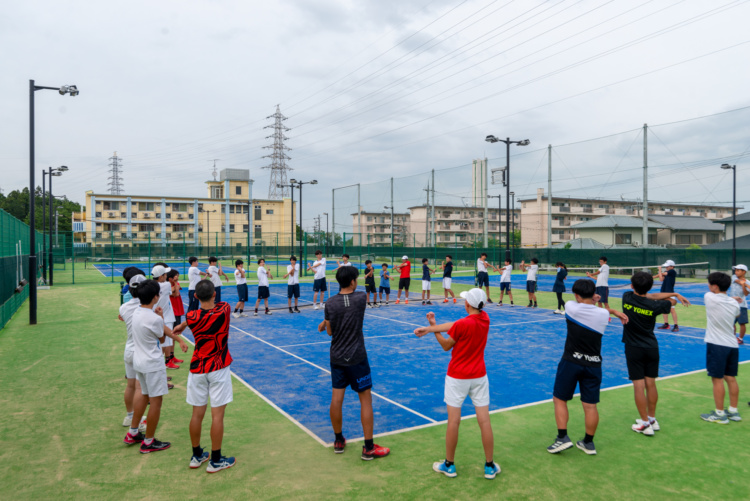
[210, 376]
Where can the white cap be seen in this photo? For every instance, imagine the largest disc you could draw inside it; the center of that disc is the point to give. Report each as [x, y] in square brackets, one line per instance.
[475, 297]
[136, 280]
[159, 271]
[668, 263]
[740, 267]
[404, 258]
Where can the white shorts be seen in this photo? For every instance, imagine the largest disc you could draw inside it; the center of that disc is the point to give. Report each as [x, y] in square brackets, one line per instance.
[456, 391]
[129, 371]
[216, 385]
[426, 285]
[446, 282]
[153, 384]
[168, 341]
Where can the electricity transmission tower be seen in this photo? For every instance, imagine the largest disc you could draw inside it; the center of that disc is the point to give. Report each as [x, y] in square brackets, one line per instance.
[278, 188]
[115, 175]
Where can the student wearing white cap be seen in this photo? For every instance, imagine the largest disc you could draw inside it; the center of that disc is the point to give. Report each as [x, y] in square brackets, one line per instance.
[668, 276]
[739, 289]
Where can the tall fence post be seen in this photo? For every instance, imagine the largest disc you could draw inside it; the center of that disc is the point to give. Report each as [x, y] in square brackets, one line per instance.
[112, 254]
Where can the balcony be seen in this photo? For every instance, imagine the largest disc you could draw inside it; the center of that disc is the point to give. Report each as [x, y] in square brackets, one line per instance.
[562, 209]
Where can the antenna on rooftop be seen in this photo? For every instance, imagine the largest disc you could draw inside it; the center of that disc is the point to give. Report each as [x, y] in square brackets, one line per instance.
[214, 172]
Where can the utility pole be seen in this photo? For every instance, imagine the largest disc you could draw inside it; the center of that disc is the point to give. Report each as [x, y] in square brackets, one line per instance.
[645, 185]
[432, 211]
[427, 217]
[278, 187]
[115, 175]
[549, 196]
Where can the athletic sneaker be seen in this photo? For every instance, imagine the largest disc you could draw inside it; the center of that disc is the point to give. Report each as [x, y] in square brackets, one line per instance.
[429, 302]
[489, 301]
[291, 311]
[422, 303]
[243, 314]
[448, 471]
[529, 305]
[197, 461]
[323, 305]
[655, 425]
[398, 301]
[296, 310]
[126, 422]
[712, 417]
[376, 305]
[454, 300]
[155, 446]
[676, 328]
[535, 305]
[315, 307]
[588, 448]
[499, 303]
[642, 427]
[445, 300]
[176, 360]
[740, 341]
[235, 315]
[558, 312]
[255, 313]
[491, 471]
[268, 312]
[663, 327]
[406, 301]
[222, 464]
[732, 416]
[133, 439]
[169, 378]
[170, 386]
[142, 426]
[339, 446]
[560, 445]
[375, 452]
[171, 365]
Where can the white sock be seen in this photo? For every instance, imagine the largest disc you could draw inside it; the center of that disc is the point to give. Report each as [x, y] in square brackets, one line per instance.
[720, 412]
[130, 415]
[148, 441]
[133, 431]
[732, 409]
[651, 419]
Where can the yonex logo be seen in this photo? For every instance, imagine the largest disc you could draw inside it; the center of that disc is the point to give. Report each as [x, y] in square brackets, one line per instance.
[589, 358]
[363, 380]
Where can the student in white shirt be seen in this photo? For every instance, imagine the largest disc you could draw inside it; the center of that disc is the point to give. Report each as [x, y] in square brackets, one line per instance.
[292, 288]
[194, 276]
[531, 280]
[319, 282]
[722, 352]
[241, 280]
[148, 331]
[483, 278]
[740, 288]
[133, 388]
[346, 262]
[505, 281]
[214, 271]
[159, 273]
[263, 291]
[602, 282]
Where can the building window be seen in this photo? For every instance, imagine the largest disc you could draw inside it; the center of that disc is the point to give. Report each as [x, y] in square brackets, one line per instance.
[123, 215]
[231, 228]
[223, 228]
[689, 239]
[111, 206]
[145, 206]
[245, 209]
[217, 192]
[223, 209]
[238, 190]
[98, 214]
[231, 209]
[258, 231]
[652, 239]
[190, 216]
[169, 215]
[245, 228]
[369, 218]
[558, 232]
[258, 213]
[269, 211]
[623, 238]
[712, 238]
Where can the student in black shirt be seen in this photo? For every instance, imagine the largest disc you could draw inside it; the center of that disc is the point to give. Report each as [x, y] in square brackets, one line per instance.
[370, 285]
[426, 281]
[668, 277]
[344, 316]
[447, 267]
[641, 346]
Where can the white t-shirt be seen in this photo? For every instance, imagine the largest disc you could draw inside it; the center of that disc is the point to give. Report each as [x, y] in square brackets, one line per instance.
[194, 276]
[721, 311]
[148, 328]
[262, 277]
[348, 263]
[320, 271]
[239, 278]
[481, 266]
[215, 278]
[531, 274]
[736, 291]
[507, 269]
[293, 279]
[602, 279]
[588, 315]
[165, 289]
[126, 312]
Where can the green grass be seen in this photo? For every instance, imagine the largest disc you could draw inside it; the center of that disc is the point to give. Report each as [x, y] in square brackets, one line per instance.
[61, 435]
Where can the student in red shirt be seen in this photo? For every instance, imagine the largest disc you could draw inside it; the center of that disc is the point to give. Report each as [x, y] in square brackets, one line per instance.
[405, 279]
[467, 376]
[177, 307]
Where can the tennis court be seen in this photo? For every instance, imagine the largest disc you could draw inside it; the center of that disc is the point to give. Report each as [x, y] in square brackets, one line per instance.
[285, 360]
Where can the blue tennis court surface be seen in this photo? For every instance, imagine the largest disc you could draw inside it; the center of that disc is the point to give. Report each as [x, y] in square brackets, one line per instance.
[286, 360]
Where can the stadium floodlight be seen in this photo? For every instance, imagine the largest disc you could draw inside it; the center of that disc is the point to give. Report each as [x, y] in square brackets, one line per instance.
[734, 210]
[293, 181]
[63, 168]
[314, 181]
[525, 142]
[68, 89]
[491, 139]
[56, 174]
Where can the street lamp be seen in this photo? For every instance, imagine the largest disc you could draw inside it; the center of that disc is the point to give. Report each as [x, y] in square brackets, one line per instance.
[56, 172]
[734, 210]
[65, 89]
[506, 180]
[208, 227]
[326, 247]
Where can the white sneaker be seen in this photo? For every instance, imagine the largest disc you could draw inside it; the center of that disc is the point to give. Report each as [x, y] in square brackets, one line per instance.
[243, 314]
[323, 305]
[645, 428]
[236, 315]
[655, 425]
[142, 426]
[316, 307]
[126, 422]
[559, 312]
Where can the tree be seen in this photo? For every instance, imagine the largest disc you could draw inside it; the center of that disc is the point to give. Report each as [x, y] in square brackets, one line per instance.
[16, 203]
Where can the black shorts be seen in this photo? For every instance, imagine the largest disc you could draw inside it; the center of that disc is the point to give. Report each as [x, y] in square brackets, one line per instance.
[292, 291]
[531, 286]
[588, 379]
[371, 288]
[604, 293]
[386, 290]
[483, 279]
[642, 362]
[177, 319]
[721, 360]
[263, 292]
[404, 283]
[357, 376]
[505, 287]
[242, 292]
[319, 285]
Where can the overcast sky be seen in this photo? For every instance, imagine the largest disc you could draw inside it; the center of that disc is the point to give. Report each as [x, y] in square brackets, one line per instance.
[375, 89]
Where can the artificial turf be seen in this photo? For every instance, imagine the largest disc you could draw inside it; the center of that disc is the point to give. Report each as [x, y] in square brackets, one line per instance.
[62, 435]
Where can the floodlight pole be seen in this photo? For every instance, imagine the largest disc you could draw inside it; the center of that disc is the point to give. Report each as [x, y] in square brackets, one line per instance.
[51, 208]
[44, 221]
[734, 210]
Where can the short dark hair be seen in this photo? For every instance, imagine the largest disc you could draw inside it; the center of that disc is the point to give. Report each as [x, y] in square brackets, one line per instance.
[584, 288]
[345, 255]
[238, 262]
[721, 279]
[261, 260]
[161, 264]
[560, 264]
[213, 259]
[384, 264]
[345, 275]
[132, 271]
[148, 290]
[603, 258]
[368, 262]
[509, 260]
[204, 290]
[642, 282]
[318, 252]
[424, 259]
[173, 273]
[534, 260]
[448, 256]
[192, 259]
[482, 254]
[293, 258]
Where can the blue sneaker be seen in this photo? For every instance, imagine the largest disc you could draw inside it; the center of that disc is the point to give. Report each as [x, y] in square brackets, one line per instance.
[222, 464]
[448, 471]
[491, 471]
[197, 461]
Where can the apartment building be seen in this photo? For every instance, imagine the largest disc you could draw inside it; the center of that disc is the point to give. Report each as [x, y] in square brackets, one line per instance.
[228, 215]
[376, 228]
[568, 211]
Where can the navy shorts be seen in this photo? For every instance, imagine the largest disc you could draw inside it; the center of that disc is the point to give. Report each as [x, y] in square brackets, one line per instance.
[588, 379]
[177, 319]
[263, 292]
[242, 292]
[292, 291]
[357, 376]
[483, 279]
[371, 288]
[604, 293]
[742, 319]
[505, 287]
[193, 303]
[721, 360]
[387, 290]
[531, 286]
[218, 295]
[319, 285]
[404, 283]
[642, 362]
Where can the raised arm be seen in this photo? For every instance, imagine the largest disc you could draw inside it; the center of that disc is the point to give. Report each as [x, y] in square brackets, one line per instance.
[673, 297]
[445, 343]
